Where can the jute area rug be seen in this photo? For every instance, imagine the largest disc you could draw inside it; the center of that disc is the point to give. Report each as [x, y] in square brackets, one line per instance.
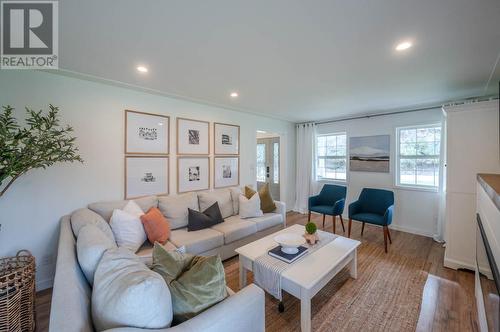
[386, 296]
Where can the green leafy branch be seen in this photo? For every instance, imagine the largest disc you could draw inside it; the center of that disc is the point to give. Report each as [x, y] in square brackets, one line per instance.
[39, 144]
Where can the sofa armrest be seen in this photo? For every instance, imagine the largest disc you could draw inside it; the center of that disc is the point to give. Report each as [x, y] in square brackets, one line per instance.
[312, 201]
[242, 312]
[281, 209]
[338, 207]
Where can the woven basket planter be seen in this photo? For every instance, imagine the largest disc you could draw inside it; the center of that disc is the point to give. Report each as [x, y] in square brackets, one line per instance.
[17, 292]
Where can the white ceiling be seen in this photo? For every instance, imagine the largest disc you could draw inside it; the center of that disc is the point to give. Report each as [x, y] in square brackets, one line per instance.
[292, 59]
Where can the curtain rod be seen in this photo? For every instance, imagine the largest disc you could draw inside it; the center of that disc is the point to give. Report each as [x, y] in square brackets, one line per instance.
[404, 111]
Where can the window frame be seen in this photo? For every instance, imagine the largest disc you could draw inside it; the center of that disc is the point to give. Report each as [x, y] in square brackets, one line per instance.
[420, 187]
[346, 157]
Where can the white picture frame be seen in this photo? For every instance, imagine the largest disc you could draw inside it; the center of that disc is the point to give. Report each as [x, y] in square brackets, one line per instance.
[147, 133]
[193, 137]
[226, 172]
[226, 139]
[193, 174]
[146, 175]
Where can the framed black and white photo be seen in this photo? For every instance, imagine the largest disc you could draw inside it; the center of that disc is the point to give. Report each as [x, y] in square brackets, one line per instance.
[146, 175]
[226, 139]
[192, 137]
[226, 172]
[193, 173]
[146, 133]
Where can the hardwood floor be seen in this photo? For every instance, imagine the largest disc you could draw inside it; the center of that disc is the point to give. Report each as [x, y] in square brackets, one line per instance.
[448, 302]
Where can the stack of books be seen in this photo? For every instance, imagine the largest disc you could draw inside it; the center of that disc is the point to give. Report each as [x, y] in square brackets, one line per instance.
[288, 258]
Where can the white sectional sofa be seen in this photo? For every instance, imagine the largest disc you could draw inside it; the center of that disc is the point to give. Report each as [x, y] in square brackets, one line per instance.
[242, 311]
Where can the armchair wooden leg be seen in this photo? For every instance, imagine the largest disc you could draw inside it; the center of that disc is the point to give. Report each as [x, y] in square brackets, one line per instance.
[362, 229]
[334, 222]
[385, 238]
[389, 234]
[342, 222]
[309, 217]
[323, 221]
[349, 228]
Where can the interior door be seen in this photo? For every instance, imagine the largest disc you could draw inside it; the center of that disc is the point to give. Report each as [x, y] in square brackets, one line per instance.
[268, 164]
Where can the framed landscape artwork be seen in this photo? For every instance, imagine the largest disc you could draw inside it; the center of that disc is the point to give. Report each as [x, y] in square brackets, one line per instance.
[193, 174]
[370, 153]
[226, 171]
[192, 137]
[145, 175]
[226, 139]
[146, 133]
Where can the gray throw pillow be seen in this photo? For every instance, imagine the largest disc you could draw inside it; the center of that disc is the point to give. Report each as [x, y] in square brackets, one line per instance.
[208, 218]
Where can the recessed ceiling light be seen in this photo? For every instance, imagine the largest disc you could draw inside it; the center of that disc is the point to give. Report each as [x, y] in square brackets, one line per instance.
[403, 46]
[142, 69]
[234, 94]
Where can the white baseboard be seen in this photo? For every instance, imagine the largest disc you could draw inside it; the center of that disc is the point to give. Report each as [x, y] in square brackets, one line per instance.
[457, 264]
[410, 230]
[44, 284]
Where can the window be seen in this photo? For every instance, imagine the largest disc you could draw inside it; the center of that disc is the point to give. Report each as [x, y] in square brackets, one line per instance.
[276, 162]
[418, 156]
[331, 157]
[261, 162]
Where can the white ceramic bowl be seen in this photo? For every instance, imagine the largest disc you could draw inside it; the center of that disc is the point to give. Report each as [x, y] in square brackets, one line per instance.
[289, 242]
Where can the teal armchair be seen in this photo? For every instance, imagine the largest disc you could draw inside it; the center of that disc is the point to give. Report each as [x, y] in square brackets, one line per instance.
[330, 201]
[374, 206]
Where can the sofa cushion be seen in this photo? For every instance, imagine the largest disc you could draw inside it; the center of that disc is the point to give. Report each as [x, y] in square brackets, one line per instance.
[90, 246]
[175, 208]
[268, 220]
[221, 196]
[371, 218]
[235, 193]
[198, 241]
[127, 293]
[196, 283]
[235, 228]
[83, 217]
[105, 209]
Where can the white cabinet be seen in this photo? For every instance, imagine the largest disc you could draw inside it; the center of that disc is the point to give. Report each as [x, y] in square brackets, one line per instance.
[471, 148]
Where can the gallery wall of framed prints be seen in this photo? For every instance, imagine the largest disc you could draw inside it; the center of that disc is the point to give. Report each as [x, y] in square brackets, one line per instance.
[146, 133]
[226, 171]
[145, 176]
[226, 139]
[193, 137]
[147, 146]
[193, 173]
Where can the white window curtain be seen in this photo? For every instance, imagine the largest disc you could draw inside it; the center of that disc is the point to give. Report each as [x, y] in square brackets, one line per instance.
[305, 183]
[439, 233]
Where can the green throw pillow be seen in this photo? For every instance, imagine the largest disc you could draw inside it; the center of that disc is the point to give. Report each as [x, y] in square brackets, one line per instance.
[196, 283]
[266, 200]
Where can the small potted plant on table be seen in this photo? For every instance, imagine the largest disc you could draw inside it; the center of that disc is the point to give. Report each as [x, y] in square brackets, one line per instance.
[311, 235]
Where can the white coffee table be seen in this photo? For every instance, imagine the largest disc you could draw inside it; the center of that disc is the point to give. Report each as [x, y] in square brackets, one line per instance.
[307, 276]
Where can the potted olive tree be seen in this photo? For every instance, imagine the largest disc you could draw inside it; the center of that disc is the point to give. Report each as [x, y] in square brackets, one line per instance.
[41, 143]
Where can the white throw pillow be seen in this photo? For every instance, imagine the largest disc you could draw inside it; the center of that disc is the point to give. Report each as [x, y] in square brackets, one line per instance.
[235, 194]
[127, 293]
[250, 208]
[127, 227]
[90, 246]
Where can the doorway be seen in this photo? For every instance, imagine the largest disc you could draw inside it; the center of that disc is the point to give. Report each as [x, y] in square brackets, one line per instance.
[268, 162]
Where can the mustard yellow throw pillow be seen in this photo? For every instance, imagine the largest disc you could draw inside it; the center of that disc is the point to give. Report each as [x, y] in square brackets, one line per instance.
[195, 282]
[266, 200]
